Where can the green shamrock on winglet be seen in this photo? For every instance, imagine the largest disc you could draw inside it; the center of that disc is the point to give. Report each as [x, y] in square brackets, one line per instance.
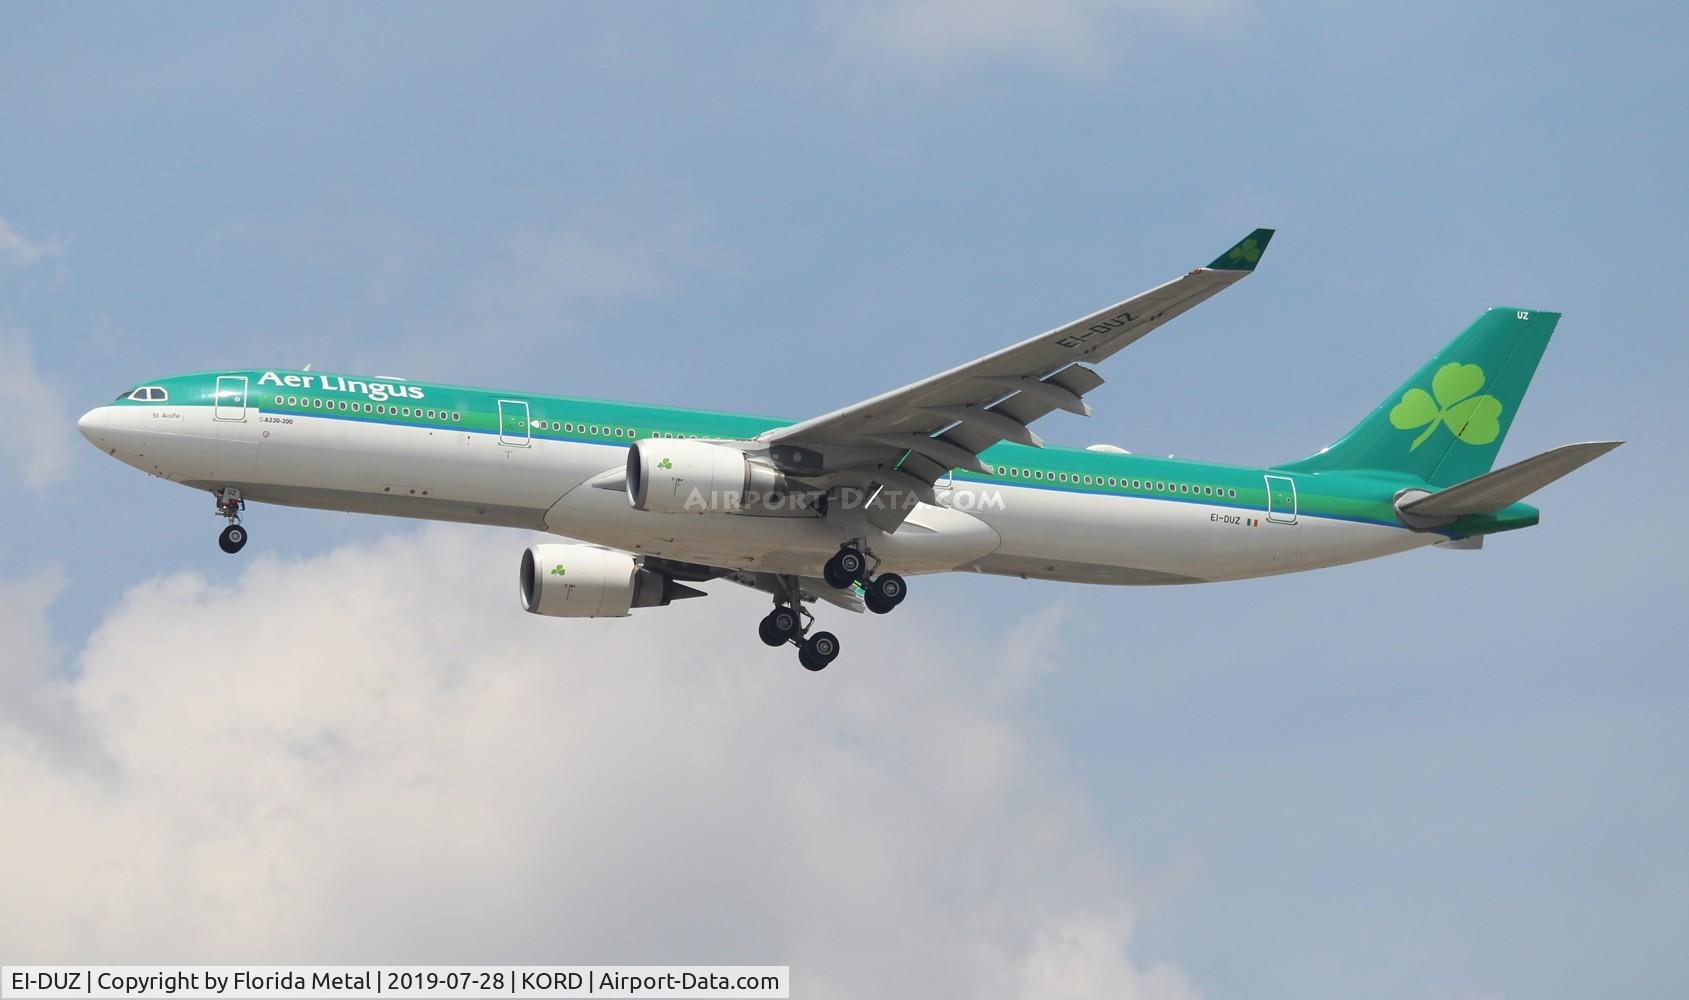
[1247, 251]
[1473, 419]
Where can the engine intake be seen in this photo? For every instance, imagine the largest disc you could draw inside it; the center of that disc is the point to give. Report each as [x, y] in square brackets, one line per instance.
[579, 581]
[696, 477]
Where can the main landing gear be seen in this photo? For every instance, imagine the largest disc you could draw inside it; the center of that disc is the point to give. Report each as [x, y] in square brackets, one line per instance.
[881, 592]
[791, 624]
[229, 505]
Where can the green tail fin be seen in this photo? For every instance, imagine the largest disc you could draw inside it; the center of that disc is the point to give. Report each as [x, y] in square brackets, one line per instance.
[1446, 423]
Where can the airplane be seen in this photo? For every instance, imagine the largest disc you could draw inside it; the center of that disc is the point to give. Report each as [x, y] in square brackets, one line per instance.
[942, 475]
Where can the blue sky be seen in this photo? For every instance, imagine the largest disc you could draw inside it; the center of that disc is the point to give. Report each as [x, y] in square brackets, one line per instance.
[1442, 775]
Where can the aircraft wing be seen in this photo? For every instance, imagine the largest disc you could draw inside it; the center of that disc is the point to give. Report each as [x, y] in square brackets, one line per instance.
[908, 438]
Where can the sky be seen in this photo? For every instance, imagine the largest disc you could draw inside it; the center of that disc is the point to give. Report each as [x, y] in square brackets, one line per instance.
[1442, 775]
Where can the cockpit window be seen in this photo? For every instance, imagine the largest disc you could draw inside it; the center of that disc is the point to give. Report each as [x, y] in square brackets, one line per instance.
[147, 394]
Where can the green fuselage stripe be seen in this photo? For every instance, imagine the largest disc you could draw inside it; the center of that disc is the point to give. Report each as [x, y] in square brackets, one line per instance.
[1344, 496]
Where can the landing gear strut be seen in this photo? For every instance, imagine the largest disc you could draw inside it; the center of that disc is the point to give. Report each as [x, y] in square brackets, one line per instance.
[790, 623]
[881, 592]
[229, 505]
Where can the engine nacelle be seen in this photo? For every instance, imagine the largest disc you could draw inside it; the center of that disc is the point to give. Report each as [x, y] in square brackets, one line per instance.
[579, 581]
[696, 477]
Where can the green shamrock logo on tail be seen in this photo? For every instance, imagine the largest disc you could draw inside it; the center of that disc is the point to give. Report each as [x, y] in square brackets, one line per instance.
[1472, 418]
[1246, 252]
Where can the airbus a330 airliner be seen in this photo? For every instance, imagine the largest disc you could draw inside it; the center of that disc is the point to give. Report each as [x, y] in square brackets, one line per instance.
[944, 474]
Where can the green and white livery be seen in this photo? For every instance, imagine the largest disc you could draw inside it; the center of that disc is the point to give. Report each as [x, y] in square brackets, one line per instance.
[945, 474]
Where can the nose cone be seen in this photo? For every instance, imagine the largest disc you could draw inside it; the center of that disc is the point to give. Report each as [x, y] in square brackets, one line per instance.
[96, 426]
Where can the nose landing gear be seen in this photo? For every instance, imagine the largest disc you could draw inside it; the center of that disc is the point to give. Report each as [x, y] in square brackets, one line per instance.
[229, 505]
[232, 539]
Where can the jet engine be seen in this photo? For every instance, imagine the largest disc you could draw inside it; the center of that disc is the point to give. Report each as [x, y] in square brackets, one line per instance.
[579, 581]
[696, 477]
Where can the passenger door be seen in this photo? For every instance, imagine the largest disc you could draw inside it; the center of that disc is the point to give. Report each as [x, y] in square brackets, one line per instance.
[513, 423]
[1281, 499]
[229, 402]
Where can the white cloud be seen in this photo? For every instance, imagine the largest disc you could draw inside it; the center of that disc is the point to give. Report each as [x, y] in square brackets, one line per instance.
[19, 253]
[1076, 35]
[373, 753]
[32, 707]
[36, 430]
[1080, 956]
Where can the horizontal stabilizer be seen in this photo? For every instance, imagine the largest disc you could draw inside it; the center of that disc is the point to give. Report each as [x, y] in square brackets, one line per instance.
[1492, 491]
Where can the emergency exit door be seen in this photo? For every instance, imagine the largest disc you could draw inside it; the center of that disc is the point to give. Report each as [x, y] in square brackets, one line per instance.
[513, 422]
[1281, 499]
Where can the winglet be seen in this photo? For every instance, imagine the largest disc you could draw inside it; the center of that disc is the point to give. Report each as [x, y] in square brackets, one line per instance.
[1245, 255]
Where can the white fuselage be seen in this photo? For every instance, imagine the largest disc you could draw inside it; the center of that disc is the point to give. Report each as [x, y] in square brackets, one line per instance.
[318, 461]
